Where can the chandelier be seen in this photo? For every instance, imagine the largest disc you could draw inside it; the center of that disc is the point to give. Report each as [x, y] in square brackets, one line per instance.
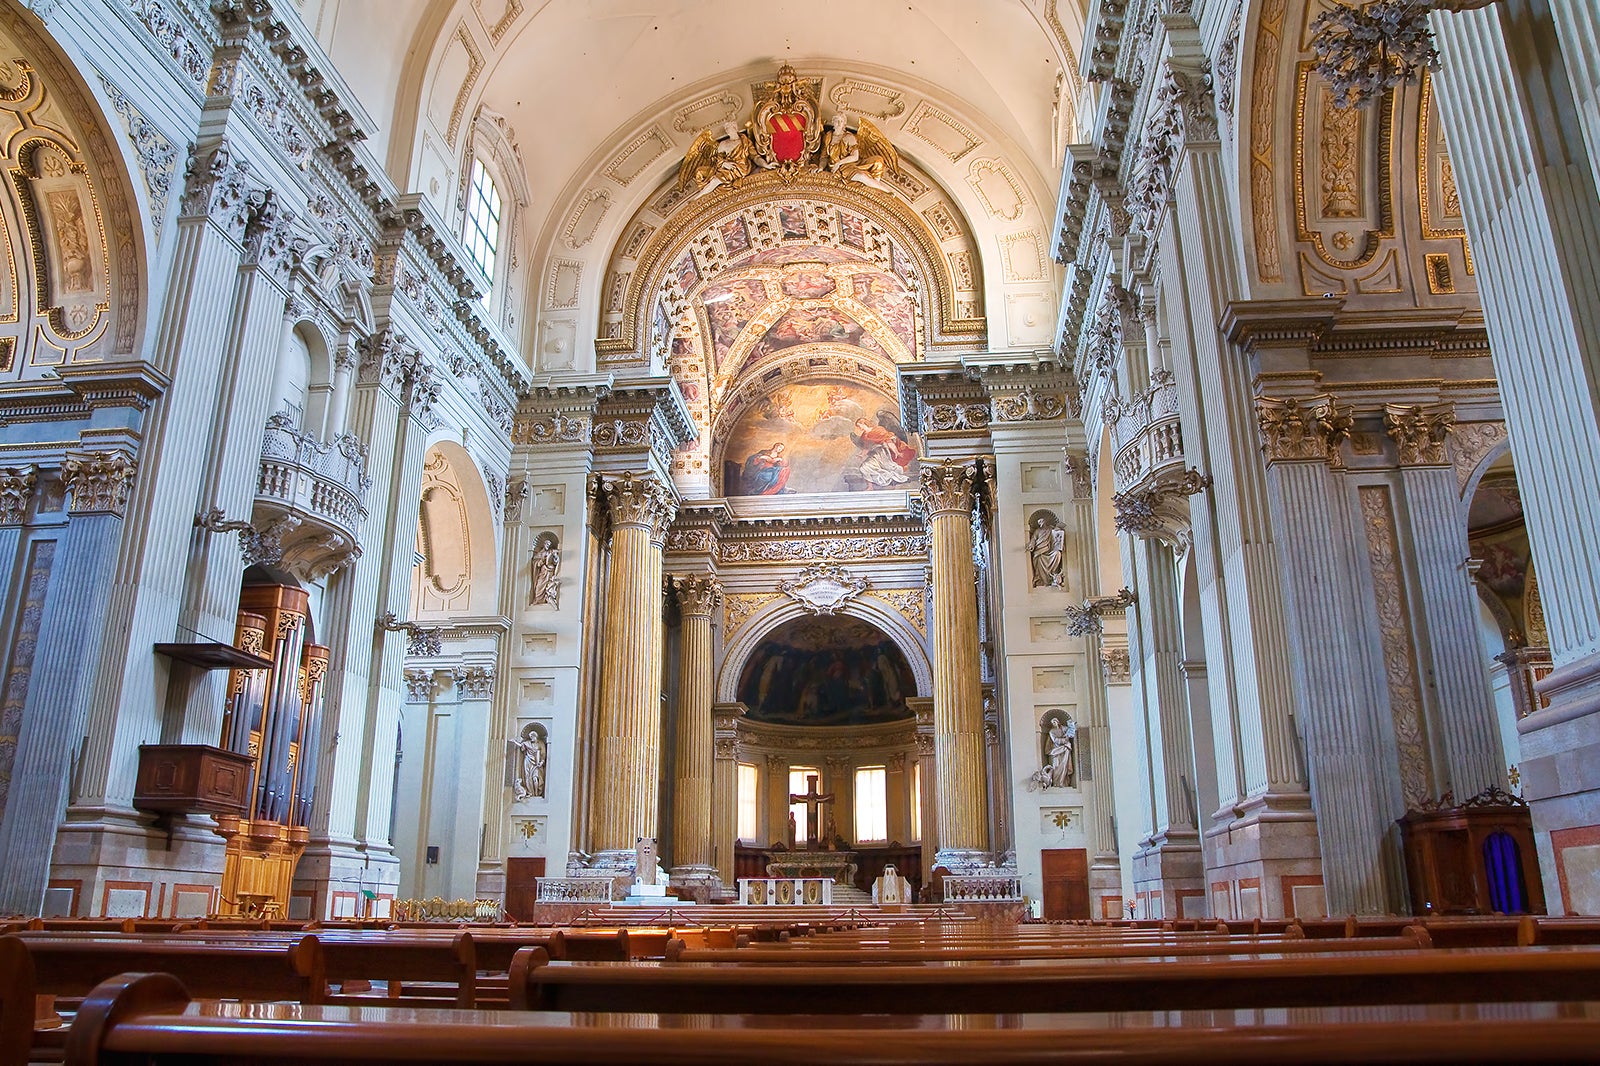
[1363, 52]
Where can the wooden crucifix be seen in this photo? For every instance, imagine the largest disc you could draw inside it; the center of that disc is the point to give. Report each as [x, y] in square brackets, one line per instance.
[813, 801]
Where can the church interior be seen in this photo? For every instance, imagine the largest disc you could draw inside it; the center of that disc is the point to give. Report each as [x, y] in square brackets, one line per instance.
[565, 505]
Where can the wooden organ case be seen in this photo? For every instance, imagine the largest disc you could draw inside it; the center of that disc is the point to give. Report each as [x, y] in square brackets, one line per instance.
[275, 717]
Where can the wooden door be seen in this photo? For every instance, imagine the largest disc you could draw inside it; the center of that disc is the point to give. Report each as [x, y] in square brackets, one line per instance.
[522, 887]
[1066, 883]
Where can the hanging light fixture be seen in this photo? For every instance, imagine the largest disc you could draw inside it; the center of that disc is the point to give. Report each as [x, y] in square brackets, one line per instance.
[1363, 52]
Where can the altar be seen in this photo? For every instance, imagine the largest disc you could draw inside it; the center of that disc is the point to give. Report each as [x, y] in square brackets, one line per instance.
[836, 866]
[786, 891]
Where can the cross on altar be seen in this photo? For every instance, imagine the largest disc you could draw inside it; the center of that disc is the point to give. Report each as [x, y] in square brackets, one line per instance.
[813, 801]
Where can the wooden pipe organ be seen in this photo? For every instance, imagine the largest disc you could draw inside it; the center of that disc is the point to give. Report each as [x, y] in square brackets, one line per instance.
[275, 717]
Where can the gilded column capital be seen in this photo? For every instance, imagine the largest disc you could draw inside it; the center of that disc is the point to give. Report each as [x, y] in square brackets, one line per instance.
[698, 594]
[1420, 431]
[99, 482]
[948, 487]
[1301, 430]
[639, 501]
[16, 487]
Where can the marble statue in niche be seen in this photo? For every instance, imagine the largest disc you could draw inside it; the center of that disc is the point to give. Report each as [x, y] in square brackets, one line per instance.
[1058, 739]
[531, 751]
[1046, 543]
[543, 587]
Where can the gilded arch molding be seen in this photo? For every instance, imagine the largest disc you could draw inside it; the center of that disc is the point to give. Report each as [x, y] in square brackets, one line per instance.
[949, 324]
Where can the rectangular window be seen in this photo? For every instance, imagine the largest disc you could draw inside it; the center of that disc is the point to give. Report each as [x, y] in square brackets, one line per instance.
[872, 804]
[481, 234]
[749, 823]
[798, 787]
[916, 799]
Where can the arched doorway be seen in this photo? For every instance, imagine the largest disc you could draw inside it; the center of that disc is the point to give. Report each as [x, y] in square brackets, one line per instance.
[829, 701]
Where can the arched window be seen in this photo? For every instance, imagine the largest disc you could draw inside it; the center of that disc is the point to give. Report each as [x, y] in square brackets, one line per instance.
[294, 380]
[482, 232]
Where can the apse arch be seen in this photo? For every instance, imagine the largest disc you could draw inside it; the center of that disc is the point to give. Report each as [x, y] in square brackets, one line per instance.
[770, 617]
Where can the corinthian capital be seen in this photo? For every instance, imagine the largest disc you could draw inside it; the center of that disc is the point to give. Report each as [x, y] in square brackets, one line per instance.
[948, 487]
[1420, 431]
[99, 482]
[1294, 429]
[639, 500]
[215, 185]
[698, 594]
[16, 486]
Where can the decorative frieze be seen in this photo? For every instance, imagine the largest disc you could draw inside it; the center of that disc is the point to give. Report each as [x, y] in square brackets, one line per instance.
[693, 539]
[16, 487]
[1420, 431]
[839, 549]
[554, 428]
[99, 482]
[1030, 405]
[1311, 429]
[953, 417]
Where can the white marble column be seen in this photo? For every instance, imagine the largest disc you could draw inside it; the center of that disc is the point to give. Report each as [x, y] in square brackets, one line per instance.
[1353, 764]
[1462, 712]
[1523, 144]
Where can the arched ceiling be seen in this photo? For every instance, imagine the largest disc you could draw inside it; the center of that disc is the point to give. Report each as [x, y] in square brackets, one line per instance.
[959, 85]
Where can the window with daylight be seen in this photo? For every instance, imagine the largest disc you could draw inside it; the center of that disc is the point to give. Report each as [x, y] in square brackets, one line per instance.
[916, 800]
[872, 804]
[798, 787]
[749, 825]
[482, 232]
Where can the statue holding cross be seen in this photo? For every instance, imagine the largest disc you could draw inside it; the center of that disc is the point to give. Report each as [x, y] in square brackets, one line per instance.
[813, 801]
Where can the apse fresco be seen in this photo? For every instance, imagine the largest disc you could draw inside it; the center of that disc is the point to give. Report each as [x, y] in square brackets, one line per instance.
[729, 309]
[825, 436]
[807, 283]
[826, 671]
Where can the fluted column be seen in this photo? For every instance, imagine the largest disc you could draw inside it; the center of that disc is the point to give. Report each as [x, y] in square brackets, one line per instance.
[947, 490]
[725, 788]
[1353, 803]
[628, 756]
[698, 595]
[1516, 95]
[1465, 728]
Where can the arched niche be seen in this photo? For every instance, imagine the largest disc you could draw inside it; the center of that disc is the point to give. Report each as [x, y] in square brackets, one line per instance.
[763, 623]
[455, 574]
[73, 253]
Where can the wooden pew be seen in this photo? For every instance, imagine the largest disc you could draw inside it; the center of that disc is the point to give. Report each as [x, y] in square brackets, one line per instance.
[72, 966]
[150, 1019]
[1030, 986]
[451, 963]
[1416, 938]
[16, 1002]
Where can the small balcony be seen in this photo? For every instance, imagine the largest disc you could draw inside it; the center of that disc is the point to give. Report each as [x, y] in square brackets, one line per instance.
[309, 501]
[1147, 436]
